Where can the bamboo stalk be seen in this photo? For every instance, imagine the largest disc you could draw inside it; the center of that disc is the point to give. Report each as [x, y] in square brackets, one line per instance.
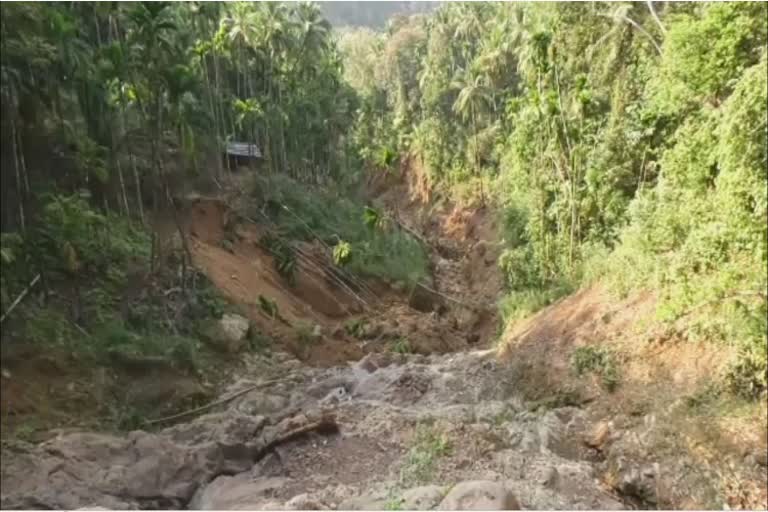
[20, 298]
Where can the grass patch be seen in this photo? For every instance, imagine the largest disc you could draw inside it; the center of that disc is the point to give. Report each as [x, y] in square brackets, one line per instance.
[269, 307]
[517, 305]
[394, 503]
[356, 327]
[561, 398]
[402, 346]
[598, 360]
[306, 334]
[258, 342]
[428, 447]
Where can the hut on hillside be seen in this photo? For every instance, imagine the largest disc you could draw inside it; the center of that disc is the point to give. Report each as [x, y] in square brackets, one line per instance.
[242, 154]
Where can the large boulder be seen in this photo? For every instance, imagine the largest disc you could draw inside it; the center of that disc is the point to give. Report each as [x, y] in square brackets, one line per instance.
[229, 333]
[423, 498]
[363, 503]
[479, 495]
[139, 470]
[238, 492]
[98, 470]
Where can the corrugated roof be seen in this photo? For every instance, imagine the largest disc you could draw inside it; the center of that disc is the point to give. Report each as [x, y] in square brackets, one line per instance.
[243, 149]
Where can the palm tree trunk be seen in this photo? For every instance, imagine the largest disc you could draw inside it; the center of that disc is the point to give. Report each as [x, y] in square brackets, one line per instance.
[222, 117]
[22, 221]
[139, 199]
[122, 186]
[214, 114]
[477, 160]
[24, 174]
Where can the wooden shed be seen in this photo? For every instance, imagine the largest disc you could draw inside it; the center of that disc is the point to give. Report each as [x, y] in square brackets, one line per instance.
[242, 154]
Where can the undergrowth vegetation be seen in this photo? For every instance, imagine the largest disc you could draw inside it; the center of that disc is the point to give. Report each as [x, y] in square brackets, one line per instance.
[619, 142]
[428, 446]
[97, 299]
[598, 360]
[340, 222]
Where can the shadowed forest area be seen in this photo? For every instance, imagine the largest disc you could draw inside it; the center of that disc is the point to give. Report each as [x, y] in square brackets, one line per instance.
[575, 191]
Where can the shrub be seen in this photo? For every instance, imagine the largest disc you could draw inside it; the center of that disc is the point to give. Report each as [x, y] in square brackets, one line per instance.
[597, 360]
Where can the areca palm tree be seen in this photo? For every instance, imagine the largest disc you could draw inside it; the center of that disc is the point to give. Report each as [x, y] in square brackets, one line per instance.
[313, 32]
[474, 98]
[241, 26]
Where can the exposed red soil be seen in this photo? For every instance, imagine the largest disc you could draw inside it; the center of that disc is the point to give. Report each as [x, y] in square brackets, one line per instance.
[659, 373]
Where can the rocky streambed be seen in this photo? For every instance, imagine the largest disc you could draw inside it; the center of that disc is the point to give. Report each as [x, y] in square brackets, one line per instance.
[390, 431]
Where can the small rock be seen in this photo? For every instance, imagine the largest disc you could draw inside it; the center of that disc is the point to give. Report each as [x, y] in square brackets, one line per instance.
[335, 396]
[239, 492]
[262, 403]
[479, 495]
[423, 498]
[549, 477]
[636, 483]
[229, 333]
[367, 364]
[598, 435]
[321, 389]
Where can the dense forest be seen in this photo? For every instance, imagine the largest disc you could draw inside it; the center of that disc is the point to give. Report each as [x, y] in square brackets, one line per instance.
[110, 112]
[621, 142]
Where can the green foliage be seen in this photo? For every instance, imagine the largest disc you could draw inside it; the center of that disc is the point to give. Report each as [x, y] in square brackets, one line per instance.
[72, 237]
[49, 327]
[372, 218]
[401, 346]
[269, 306]
[114, 338]
[618, 149]
[356, 327]
[342, 252]
[11, 258]
[428, 446]
[130, 87]
[258, 342]
[699, 235]
[308, 333]
[517, 305]
[394, 503]
[383, 252]
[283, 254]
[705, 50]
[599, 360]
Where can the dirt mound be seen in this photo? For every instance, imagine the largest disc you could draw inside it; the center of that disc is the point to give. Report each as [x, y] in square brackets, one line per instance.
[664, 400]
